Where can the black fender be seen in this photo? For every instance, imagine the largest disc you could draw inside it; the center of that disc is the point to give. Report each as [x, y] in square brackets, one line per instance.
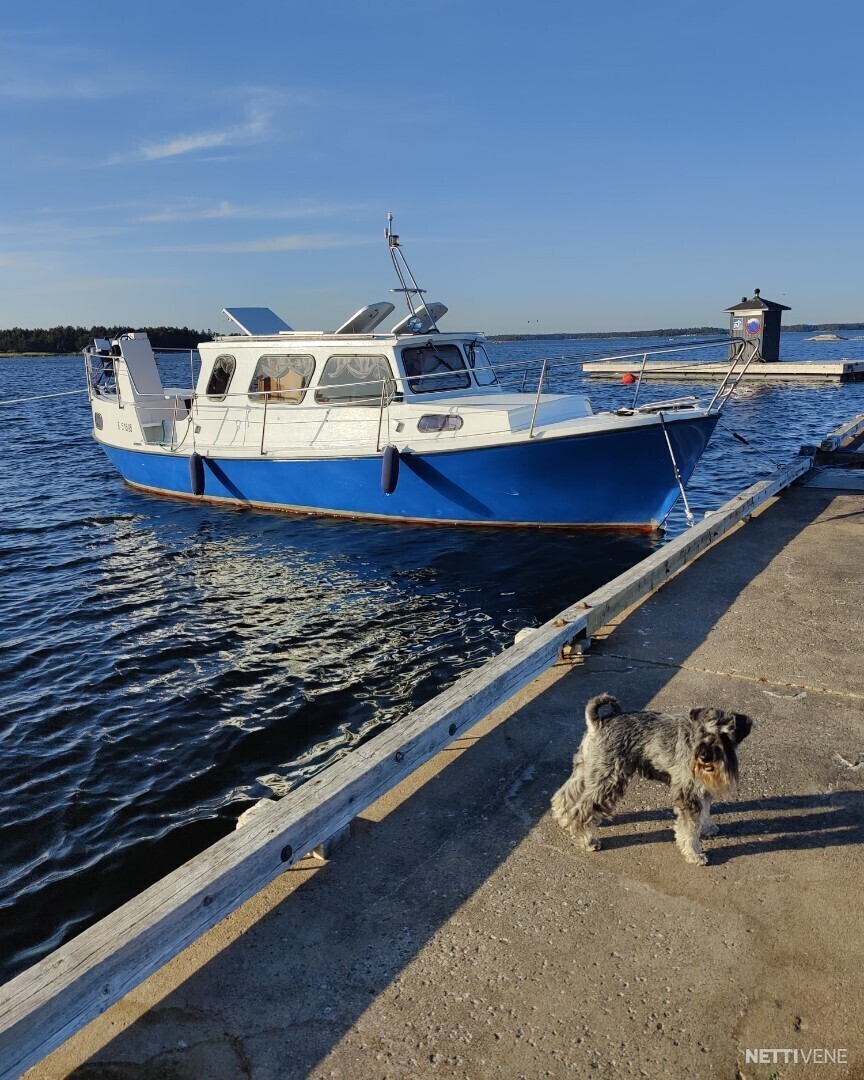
[196, 474]
[389, 470]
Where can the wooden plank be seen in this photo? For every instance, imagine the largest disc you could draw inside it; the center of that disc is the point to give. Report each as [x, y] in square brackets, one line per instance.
[845, 433]
[708, 371]
[45, 1005]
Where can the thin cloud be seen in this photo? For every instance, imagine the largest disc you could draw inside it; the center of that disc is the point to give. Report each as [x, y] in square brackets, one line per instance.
[225, 209]
[95, 208]
[275, 243]
[253, 130]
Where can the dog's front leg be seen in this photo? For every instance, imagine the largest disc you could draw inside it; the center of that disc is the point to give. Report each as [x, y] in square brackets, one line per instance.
[688, 817]
[707, 827]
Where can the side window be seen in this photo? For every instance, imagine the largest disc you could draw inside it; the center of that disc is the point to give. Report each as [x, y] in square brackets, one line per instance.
[282, 378]
[354, 380]
[220, 377]
[432, 367]
[484, 373]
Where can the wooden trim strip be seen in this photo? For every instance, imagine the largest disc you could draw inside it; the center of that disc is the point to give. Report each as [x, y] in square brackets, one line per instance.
[48, 1003]
[842, 434]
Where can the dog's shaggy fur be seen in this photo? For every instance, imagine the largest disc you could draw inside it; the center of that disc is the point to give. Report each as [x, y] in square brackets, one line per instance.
[693, 753]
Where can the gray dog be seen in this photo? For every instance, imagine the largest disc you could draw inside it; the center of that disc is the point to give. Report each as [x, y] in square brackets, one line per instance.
[692, 753]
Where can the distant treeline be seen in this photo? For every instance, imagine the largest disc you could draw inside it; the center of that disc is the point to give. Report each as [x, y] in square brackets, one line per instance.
[690, 331]
[825, 327]
[67, 340]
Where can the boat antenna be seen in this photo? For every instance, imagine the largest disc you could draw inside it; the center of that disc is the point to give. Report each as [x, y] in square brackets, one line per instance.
[400, 263]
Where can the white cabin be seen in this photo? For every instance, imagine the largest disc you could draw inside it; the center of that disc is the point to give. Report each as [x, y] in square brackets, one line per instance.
[286, 392]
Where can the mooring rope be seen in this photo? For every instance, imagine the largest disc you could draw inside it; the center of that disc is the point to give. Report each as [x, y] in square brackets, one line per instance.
[753, 446]
[42, 397]
[689, 513]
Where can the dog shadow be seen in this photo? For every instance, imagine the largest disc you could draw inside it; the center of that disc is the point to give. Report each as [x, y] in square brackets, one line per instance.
[756, 826]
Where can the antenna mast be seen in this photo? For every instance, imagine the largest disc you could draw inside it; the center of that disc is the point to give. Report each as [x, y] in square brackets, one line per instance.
[398, 256]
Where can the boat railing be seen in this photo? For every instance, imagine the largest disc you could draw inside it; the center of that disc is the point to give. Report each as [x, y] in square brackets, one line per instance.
[566, 359]
[737, 348]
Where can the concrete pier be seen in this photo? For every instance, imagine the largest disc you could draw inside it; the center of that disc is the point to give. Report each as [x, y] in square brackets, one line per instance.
[460, 933]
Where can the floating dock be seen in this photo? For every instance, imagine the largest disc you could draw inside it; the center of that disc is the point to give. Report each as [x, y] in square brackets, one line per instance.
[459, 931]
[785, 370]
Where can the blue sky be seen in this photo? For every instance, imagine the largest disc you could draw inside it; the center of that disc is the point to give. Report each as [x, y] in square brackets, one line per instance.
[551, 165]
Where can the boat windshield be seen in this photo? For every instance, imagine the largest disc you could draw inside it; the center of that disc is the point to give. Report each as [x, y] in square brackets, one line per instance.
[431, 368]
[478, 358]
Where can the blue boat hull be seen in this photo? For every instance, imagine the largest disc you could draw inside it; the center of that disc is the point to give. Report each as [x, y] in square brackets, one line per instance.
[622, 478]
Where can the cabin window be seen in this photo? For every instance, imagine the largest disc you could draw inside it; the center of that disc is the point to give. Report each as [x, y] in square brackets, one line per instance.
[355, 380]
[439, 423]
[432, 367]
[220, 377]
[281, 378]
[484, 373]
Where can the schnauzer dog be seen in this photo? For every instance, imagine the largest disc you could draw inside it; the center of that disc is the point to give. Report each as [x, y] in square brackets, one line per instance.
[694, 754]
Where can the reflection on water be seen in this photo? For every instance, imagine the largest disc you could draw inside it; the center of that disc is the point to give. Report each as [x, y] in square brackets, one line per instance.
[277, 642]
[164, 664]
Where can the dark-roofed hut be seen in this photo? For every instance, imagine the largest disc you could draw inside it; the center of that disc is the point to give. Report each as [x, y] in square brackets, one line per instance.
[758, 320]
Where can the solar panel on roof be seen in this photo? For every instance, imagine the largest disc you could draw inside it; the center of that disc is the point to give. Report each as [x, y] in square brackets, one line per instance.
[256, 320]
[367, 318]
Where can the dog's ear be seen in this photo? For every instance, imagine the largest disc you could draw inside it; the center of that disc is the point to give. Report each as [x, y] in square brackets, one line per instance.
[743, 726]
[703, 717]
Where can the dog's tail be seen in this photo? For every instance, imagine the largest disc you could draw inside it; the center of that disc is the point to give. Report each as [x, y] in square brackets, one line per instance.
[600, 709]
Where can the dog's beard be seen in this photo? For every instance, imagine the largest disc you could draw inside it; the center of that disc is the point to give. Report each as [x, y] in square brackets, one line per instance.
[714, 776]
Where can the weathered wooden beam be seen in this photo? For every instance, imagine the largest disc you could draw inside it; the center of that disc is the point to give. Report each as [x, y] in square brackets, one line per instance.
[843, 434]
[48, 1003]
[794, 370]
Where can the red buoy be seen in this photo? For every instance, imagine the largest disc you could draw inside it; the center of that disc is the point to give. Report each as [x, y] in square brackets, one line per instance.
[628, 379]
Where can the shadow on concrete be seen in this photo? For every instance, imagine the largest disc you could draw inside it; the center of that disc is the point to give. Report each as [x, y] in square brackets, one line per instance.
[783, 823]
[304, 974]
[855, 515]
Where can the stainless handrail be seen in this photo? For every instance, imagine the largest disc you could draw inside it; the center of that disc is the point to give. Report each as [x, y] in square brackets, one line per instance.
[537, 400]
[264, 422]
[639, 380]
[381, 415]
[739, 355]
